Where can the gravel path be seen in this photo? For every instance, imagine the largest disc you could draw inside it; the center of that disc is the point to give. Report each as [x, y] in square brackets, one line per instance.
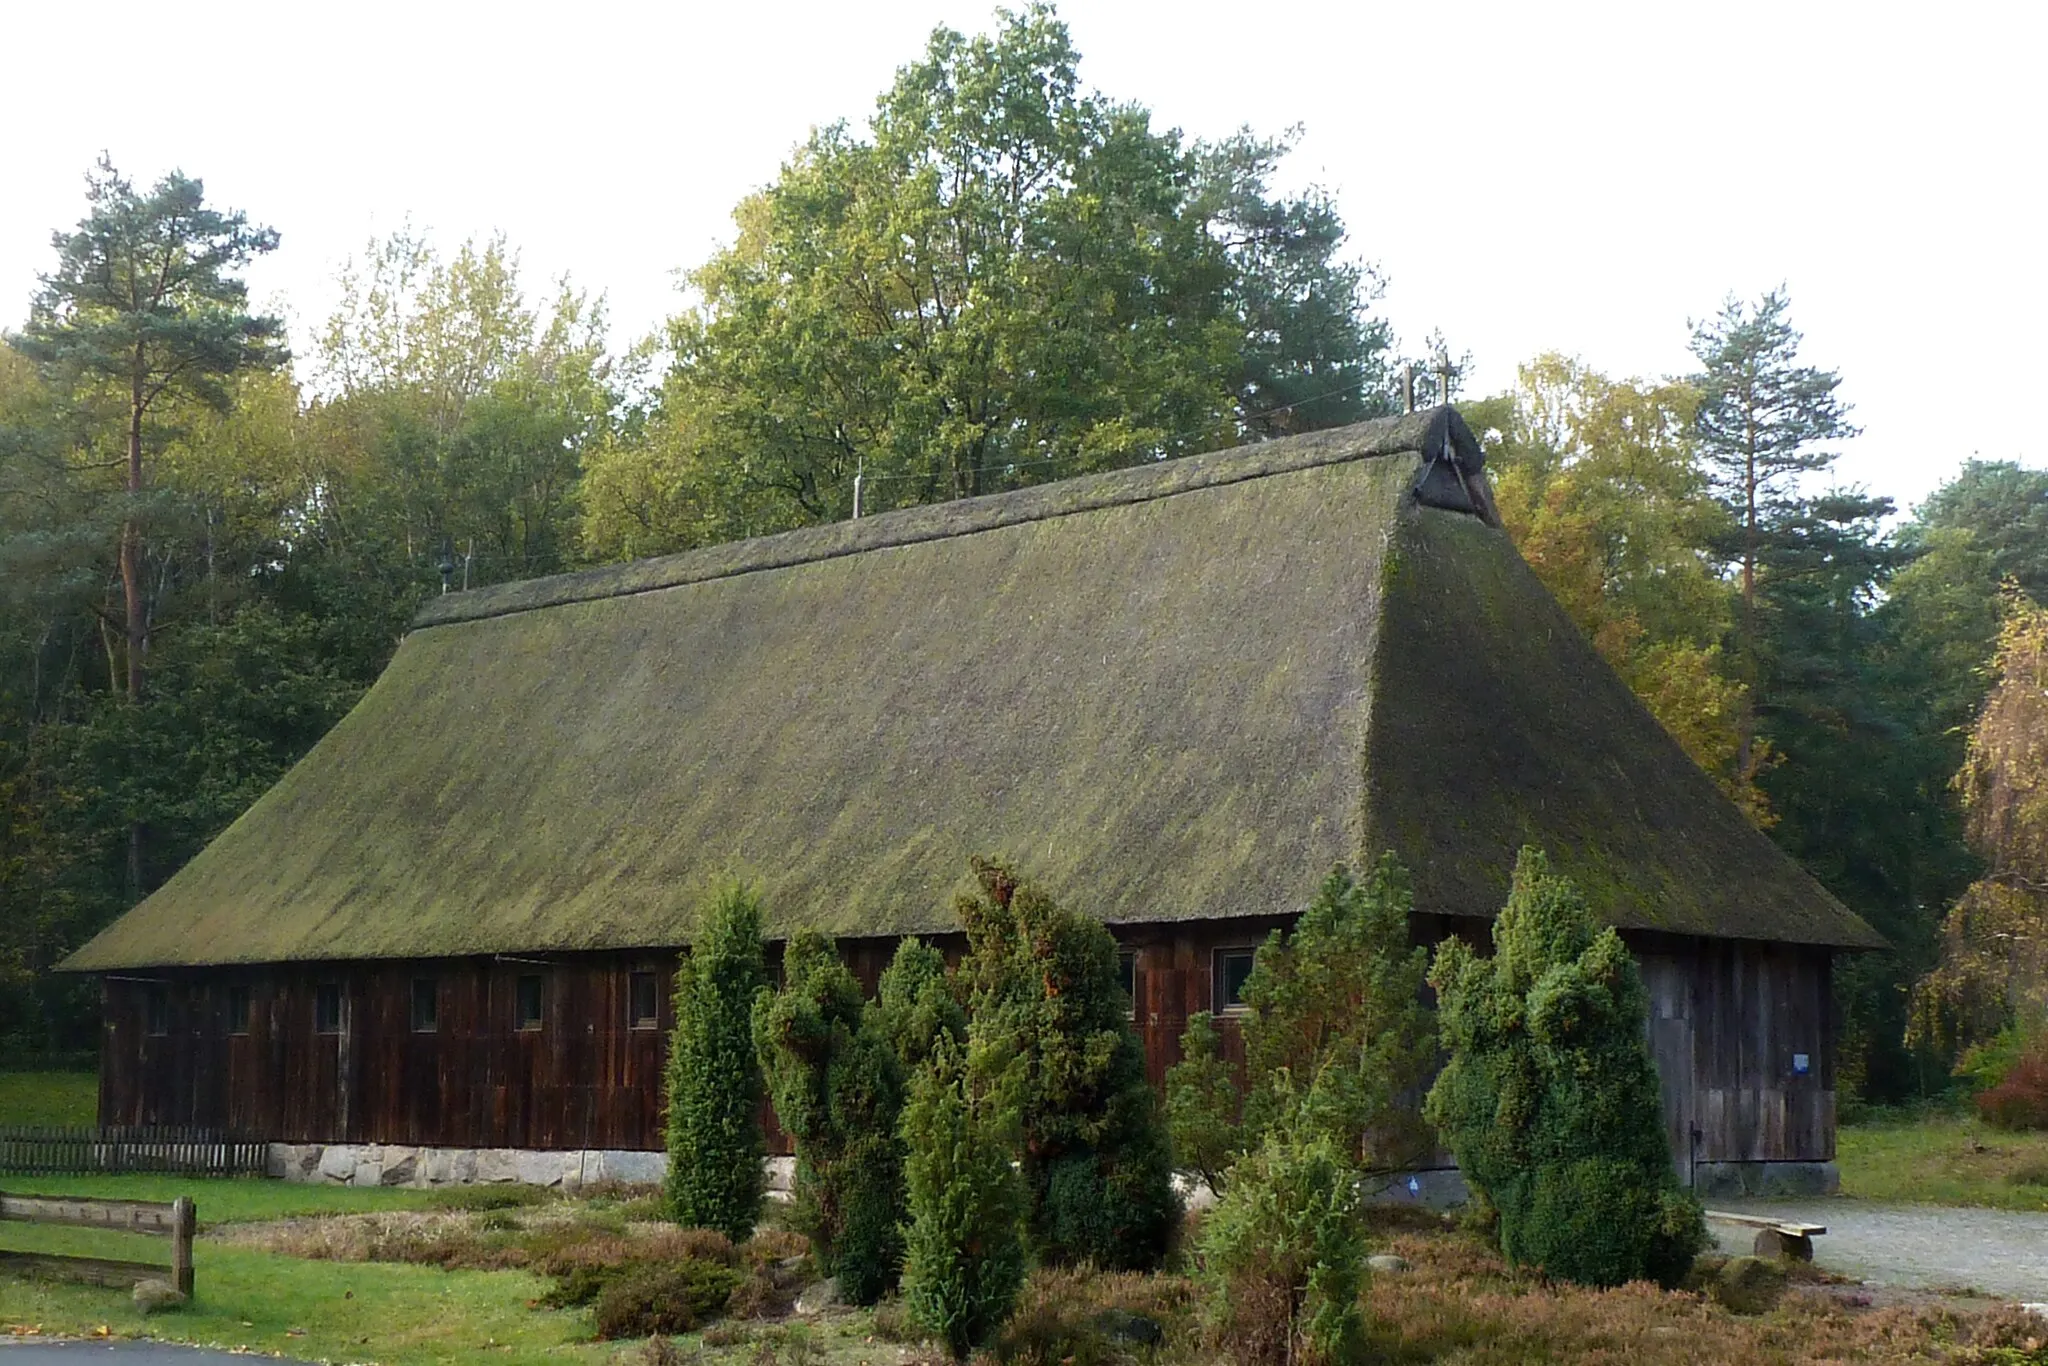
[34, 1352]
[1999, 1252]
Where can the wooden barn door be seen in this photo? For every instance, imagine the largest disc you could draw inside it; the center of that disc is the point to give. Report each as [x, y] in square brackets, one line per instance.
[1671, 1045]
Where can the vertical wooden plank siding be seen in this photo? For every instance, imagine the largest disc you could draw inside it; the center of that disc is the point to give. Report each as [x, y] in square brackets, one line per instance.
[1726, 1020]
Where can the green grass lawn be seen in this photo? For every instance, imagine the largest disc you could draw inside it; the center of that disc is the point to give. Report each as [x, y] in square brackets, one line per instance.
[49, 1098]
[222, 1200]
[1944, 1160]
[325, 1311]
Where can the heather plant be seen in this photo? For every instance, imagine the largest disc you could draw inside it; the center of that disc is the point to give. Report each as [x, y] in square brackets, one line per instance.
[964, 1254]
[1336, 1035]
[1284, 1250]
[1550, 1101]
[1051, 1027]
[838, 1093]
[714, 1081]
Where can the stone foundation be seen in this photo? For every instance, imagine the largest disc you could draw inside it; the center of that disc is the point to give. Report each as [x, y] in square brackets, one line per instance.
[391, 1164]
[1763, 1180]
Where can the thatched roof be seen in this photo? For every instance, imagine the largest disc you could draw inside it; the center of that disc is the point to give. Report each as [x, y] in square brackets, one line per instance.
[1176, 692]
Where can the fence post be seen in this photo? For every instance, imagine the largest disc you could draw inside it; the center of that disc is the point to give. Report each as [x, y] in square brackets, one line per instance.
[185, 1219]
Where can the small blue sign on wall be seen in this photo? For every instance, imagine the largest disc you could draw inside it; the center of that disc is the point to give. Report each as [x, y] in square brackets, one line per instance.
[1800, 1065]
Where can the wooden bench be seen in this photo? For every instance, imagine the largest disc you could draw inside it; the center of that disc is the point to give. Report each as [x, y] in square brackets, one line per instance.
[1776, 1237]
[176, 1221]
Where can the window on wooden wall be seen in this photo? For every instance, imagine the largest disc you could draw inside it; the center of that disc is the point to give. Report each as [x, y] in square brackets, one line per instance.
[426, 1004]
[527, 1002]
[1233, 967]
[238, 1008]
[643, 1001]
[156, 1009]
[1127, 976]
[327, 1008]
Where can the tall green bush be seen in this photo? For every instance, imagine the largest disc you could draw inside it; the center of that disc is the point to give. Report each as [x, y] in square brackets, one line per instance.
[1050, 1024]
[1550, 1100]
[917, 1004]
[1284, 1250]
[964, 1257]
[714, 1082]
[838, 1093]
[1336, 1035]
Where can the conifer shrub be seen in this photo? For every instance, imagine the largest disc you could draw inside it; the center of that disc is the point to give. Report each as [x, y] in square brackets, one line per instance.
[1050, 1025]
[1550, 1101]
[715, 1144]
[964, 1250]
[916, 1004]
[1202, 1105]
[662, 1297]
[1284, 1251]
[838, 1093]
[1336, 1035]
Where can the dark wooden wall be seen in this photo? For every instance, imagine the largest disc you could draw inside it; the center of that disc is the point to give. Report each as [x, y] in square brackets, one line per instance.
[1726, 1020]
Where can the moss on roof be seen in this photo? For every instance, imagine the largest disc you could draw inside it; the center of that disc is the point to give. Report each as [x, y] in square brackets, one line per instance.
[1179, 692]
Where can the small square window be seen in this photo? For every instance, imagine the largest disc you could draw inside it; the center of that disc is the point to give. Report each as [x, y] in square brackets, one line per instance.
[1233, 968]
[327, 1008]
[426, 1005]
[643, 1001]
[156, 1009]
[527, 1002]
[238, 1008]
[1127, 977]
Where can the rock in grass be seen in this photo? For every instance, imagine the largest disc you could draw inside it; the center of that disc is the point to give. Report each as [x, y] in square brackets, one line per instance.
[1386, 1261]
[1122, 1325]
[1748, 1285]
[819, 1297]
[151, 1296]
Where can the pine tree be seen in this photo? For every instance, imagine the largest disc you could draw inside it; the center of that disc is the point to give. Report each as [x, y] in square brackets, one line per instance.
[838, 1093]
[715, 1144]
[1550, 1100]
[1763, 420]
[145, 307]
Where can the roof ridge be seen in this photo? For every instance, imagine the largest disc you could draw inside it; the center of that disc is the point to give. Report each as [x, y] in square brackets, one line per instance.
[1433, 433]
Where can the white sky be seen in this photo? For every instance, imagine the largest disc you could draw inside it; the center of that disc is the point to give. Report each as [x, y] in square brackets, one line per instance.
[1576, 177]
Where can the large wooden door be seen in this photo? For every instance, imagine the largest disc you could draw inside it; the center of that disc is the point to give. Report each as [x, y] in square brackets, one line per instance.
[1671, 1045]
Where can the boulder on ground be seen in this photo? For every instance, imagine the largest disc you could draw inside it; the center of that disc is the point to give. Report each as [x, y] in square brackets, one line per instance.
[1748, 1285]
[1124, 1325]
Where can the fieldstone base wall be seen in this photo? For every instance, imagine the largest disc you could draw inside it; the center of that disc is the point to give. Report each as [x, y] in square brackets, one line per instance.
[387, 1164]
[1732, 1180]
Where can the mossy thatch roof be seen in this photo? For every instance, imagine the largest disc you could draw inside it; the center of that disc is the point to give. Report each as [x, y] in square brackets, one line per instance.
[1176, 692]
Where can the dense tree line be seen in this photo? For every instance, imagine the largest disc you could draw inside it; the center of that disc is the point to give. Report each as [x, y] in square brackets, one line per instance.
[208, 549]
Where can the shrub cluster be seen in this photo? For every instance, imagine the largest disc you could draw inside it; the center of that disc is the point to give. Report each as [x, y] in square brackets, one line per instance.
[837, 1086]
[2020, 1099]
[1050, 1031]
[1550, 1099]
[715, 1144]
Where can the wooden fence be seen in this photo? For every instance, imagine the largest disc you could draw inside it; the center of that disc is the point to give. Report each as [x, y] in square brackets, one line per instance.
[176, 1221]
[146, 1148]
